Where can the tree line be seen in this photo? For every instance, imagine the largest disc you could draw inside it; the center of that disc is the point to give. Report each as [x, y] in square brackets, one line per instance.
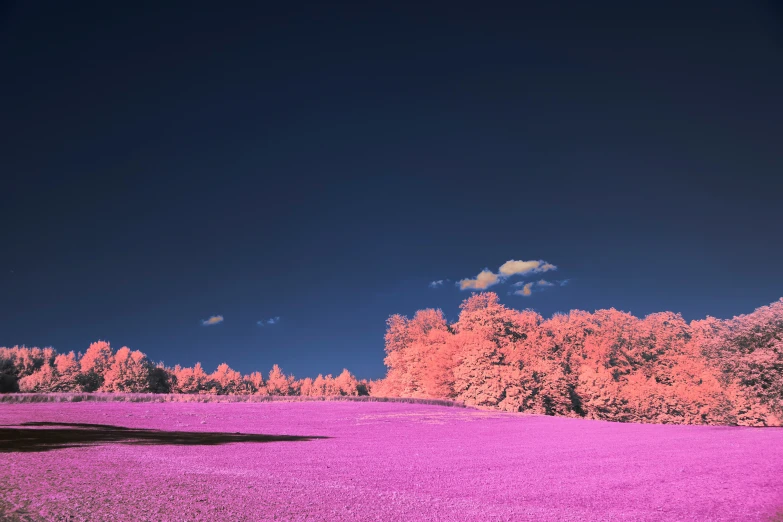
[101, 369]
[607, 365]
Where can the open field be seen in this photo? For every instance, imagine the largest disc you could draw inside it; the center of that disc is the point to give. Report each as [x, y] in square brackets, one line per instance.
[373, 461]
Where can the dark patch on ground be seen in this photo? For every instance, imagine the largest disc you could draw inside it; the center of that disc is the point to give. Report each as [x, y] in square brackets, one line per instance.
[46, 436]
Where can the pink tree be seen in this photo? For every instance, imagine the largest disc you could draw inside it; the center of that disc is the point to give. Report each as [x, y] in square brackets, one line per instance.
[42, 380]
[67, 368]
[750, 361]
[191, 380]
[19, 362]
[279, 383]
[346, 383]
[95, 362]
[417, 357]
[255, 383]
[129, 372]
[306, 387]
[227, 381]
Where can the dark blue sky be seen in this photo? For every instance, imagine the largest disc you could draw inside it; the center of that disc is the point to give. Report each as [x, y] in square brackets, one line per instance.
[323, 164]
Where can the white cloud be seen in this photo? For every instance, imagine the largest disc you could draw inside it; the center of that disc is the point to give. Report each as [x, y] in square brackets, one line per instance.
[527, 288]
[215, 319]
[512, 267]
[436, 284]
[271, 320]
[485, 279]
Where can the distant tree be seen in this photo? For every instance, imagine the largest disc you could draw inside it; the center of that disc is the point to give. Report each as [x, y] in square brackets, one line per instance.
[480, 378]
[95, 362]
[255, 383]
[21, 361]
[129, 372]
[346, 384]
[397, 381]
[42, 380]
[331, 388]
[489, 353]
[417, 355]
[306, 387]
[11, 368]
[278, 383]
[191, 380]
[749, 358]
[227, 381]
[67, 369]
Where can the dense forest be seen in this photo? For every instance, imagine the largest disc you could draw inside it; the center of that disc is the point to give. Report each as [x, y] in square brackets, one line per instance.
[605, 365]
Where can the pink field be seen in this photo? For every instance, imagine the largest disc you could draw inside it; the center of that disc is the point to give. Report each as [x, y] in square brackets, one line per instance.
[381, 461]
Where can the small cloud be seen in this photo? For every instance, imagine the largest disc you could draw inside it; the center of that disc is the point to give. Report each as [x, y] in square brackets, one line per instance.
[215, 319]
[436, 284]
[271, 320]
[527, 288]
[485, 279]
[564, 282]
[513, 267]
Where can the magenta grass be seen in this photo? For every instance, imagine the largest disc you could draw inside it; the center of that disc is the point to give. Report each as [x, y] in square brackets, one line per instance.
[387, 461]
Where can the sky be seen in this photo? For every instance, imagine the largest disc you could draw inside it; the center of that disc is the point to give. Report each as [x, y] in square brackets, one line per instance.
[264, 184]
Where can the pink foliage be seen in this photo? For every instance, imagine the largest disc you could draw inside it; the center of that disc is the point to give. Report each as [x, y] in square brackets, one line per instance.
[254, 382]
[190, 380]
[279, 383]
[97, 358]
[129, 372]
[41, 380]
[226, 381]
[605, 365]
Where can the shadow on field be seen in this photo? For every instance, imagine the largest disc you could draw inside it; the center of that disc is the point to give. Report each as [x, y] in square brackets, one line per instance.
[57, 435]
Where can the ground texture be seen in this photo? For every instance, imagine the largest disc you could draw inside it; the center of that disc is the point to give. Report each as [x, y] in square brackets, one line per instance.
[373, 461]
